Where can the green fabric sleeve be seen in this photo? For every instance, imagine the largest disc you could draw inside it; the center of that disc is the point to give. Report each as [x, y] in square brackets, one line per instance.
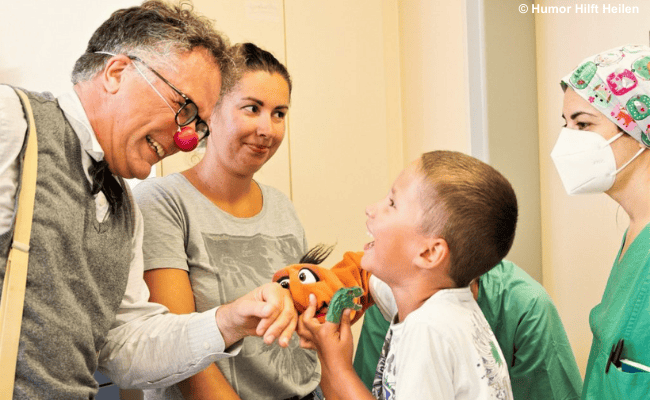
[371, 340]
[531, 335]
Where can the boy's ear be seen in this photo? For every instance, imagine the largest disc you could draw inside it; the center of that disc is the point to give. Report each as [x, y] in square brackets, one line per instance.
[434, 253]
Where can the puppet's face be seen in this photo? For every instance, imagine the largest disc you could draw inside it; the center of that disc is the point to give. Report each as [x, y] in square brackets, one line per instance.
[303, 279]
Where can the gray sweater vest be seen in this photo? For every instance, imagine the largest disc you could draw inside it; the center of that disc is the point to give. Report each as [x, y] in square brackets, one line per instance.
[78, 268]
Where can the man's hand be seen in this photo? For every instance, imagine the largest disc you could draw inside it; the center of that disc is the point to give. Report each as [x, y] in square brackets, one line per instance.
[267, 311]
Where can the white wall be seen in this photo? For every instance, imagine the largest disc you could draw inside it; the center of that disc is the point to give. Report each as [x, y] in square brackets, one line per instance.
[41, 39]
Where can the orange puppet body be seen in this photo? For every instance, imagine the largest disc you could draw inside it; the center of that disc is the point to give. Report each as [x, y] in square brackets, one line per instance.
[305, 278]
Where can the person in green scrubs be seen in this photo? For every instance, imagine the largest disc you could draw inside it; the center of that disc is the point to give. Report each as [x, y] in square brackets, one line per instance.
[602, 150]
[526, 325]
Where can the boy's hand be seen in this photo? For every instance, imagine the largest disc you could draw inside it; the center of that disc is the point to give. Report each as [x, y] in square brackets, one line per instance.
[267, 311]
[306, 337]
[333, 342]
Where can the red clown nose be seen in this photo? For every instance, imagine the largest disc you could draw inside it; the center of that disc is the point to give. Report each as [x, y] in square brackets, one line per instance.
[186, 139]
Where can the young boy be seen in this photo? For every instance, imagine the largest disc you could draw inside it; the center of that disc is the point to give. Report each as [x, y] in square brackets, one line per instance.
[448, 219]
[526, 324]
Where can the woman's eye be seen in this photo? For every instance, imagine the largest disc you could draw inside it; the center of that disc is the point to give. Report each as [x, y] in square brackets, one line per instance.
[307, 276]
[280, 114]
[391, 202]
[582, 125]
[252, 108]
[284, 282]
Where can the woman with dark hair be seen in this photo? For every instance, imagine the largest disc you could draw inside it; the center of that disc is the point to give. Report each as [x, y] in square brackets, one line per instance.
[212, 233]
[601, 149]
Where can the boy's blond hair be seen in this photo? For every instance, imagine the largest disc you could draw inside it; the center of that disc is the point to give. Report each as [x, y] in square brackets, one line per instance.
[470, 205]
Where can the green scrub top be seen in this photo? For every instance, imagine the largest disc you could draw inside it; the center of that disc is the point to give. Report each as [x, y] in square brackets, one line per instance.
[531, 335]
[371, 340]
[526, 325]
[623, 313]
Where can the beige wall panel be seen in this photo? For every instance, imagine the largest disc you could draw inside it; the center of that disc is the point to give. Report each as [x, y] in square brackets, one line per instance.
[260, 22]
[434, 76]
[513, 142]
[580, 234]
[394, 121]
[340, 138]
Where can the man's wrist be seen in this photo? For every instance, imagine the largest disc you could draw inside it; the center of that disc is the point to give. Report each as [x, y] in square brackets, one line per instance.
[230, 336]
[203, 334]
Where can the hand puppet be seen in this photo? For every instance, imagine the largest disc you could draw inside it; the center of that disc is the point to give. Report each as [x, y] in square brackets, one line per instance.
[308, 277]
[342, 299]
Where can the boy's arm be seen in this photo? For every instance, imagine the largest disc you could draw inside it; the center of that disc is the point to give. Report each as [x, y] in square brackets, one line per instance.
[351, 389]
[333, 342]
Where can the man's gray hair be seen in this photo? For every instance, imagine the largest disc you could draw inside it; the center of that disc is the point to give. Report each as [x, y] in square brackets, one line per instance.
[156, 29]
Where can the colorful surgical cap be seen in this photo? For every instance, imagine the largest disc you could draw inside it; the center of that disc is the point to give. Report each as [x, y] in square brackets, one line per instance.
[617, 83]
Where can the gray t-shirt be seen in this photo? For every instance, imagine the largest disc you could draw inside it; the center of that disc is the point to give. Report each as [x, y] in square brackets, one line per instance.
[227, 257]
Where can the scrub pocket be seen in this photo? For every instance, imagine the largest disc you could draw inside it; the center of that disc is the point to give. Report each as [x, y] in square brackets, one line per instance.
[627, 385]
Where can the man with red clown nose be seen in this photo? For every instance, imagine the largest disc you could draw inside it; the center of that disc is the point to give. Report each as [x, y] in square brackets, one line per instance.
[144, 88]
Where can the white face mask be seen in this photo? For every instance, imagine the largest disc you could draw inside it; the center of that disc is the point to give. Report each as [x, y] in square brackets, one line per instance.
[585, 161]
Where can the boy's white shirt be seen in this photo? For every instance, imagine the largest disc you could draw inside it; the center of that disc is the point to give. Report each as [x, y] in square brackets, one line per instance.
[442, 350]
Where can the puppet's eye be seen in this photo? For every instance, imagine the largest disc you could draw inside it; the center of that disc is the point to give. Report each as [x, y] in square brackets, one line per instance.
[307, 276]
[284, 282]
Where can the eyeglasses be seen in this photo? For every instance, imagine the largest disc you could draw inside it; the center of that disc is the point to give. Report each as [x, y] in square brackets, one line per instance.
[189, 111]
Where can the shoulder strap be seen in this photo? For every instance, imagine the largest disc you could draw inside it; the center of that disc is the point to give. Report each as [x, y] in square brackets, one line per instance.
[13, 290]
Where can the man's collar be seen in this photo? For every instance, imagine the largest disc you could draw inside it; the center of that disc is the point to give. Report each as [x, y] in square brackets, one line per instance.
[76, 115]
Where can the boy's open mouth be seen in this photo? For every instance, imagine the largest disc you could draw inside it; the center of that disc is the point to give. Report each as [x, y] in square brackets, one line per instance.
[370, 245]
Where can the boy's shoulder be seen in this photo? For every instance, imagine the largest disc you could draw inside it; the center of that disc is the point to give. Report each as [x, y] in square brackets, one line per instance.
[451, 300]
[453, 317]
[452, 328]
